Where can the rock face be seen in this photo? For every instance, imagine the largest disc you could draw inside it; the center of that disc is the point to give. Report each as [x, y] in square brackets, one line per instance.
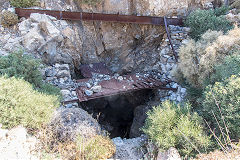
[70, 122]
[17, 144]
[124, 47]
[139, 7]
[139, 120]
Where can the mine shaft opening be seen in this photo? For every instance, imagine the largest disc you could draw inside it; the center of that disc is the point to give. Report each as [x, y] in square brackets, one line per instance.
[112, 98]
[115, 113]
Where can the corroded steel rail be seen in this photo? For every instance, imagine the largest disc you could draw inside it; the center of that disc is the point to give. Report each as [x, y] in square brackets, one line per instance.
[84, 16]
[113, 86]
[169, 37]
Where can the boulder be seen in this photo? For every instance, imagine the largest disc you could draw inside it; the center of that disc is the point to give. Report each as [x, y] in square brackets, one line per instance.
[3, 53]
[129, 148]
[170, 154]
[68, 123]
[33, 39]
[96, 88]
[13, 44]
[17, 144]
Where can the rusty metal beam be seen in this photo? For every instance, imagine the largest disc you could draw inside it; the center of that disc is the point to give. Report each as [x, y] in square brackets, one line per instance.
[169, 38]
[84, 16]
[113, 86]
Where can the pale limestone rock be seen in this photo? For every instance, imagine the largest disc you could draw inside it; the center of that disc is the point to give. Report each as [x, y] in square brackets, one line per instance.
[96, 89]
[128, 148]
[33, 39]
[66, 94]
[13, 44]
[171, 154]
[3, 53]
[24, 26]
[17, 144]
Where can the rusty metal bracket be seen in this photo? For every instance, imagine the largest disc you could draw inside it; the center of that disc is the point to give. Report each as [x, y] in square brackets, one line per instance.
[169, 38]
[85, 16]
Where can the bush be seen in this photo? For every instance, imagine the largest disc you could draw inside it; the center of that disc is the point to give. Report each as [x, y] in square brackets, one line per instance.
[230, 66]
[23, 66]
[20, 65]
[221, 11]
[226, 96]
[8, 19]
[23, 3]
[170, 125]
[20, 104]
[198, 59]
[201, 21]
[50, 90]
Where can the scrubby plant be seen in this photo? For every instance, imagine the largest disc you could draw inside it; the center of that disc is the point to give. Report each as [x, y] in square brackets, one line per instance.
[221, 10]
[23, 3]
[221, 106]
[201, 21]
[230, 66]
[50, 90]
[171, 125]
[8, 19]
[24, 66]
[198, 59]
[20, 104]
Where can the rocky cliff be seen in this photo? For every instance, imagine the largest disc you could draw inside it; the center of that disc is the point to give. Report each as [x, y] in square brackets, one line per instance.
[124, 47]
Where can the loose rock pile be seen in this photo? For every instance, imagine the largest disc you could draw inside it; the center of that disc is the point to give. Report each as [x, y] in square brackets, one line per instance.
[60, 76]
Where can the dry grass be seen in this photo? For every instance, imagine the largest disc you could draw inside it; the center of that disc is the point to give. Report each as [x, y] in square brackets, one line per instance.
[98, 147]
[83, 148]
[8, 19]
[234, 154]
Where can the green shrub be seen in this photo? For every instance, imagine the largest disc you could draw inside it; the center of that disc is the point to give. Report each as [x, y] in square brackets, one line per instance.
[171, 125]
[8, 19]
[221, 11]
[49, 89]
[230, 66]
[201, 21]
[20, 104]
[23, 3]
[20, 65]
[226, 96]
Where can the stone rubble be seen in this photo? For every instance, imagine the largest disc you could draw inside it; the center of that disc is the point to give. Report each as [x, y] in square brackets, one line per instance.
[129, 148]
[170, 154]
